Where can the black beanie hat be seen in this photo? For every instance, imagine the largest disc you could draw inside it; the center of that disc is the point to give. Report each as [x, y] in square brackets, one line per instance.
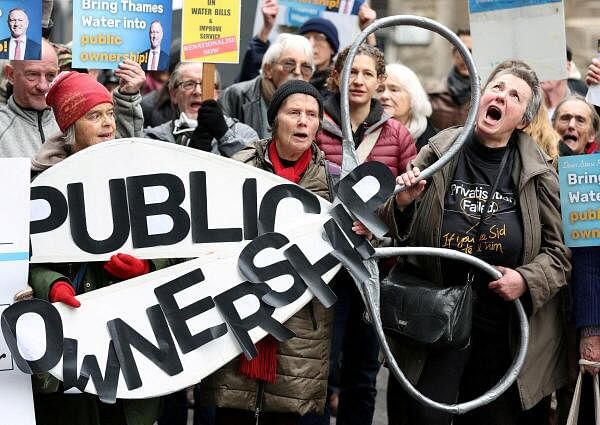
[325, 27]
[288, 88]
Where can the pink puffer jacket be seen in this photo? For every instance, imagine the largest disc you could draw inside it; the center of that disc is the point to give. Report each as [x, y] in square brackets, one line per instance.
[394, 146]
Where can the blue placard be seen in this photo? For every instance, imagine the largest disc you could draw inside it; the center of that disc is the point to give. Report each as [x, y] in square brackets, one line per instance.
[580, 199]
[297, 16]
[107, 32]
[22, 20]
[491, 5]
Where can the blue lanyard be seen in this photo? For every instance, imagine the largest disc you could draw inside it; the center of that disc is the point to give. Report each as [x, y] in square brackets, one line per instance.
[79, 276]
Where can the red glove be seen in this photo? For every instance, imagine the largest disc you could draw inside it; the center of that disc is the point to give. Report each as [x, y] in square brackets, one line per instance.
[63, 292]
[125, 266]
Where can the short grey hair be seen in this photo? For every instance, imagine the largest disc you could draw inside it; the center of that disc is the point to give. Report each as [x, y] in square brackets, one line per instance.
[594, 118]
[284, 42]
[523, 71]
[69, 136]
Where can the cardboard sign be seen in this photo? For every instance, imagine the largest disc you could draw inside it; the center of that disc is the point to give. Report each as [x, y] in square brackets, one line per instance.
[109, 31]
[15, 386]
[530, 30]
[21, 29]
[277, 246]
[211, 31]
[580, 199]
[292, 14]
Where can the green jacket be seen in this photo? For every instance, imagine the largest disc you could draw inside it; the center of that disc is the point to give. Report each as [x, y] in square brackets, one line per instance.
[303, 361]
[545, 265]
[84, 407]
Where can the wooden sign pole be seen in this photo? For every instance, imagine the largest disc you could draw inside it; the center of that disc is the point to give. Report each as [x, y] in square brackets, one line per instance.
[208, 81]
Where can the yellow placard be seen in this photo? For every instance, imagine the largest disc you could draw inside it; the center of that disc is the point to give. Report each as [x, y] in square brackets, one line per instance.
[211, 31]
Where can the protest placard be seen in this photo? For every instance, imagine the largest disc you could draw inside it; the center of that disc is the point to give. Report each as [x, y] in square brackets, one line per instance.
[580, 199]
[530, 30]
[211, 31]
[15, 386]
[292, 14]
[106, 32]
[263, 255]
[21, 29]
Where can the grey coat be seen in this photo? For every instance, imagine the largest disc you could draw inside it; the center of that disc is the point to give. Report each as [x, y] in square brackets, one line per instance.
[23, 131]
[244, 101]
[237, 137]
[545, 264]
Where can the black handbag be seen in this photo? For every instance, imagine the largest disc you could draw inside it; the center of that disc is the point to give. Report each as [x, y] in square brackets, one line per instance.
[414, 309]
[437, 317]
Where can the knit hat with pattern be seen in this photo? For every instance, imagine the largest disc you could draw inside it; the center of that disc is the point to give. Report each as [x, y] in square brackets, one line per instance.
[72, 95]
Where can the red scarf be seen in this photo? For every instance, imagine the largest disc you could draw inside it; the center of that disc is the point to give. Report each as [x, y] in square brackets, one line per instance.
[293, 173]
[264, 365]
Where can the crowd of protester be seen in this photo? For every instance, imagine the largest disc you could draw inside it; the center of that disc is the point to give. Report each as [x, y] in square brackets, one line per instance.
[283, 115]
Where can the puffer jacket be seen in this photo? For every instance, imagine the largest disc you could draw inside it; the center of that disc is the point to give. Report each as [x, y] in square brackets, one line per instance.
[545, 263]
[394, 146]
[303, 361]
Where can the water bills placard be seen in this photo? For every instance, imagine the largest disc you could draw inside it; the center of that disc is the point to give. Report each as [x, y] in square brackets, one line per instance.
[211, 31]
[107, 32]
[580, 199]
[530, 30]
[21, 29]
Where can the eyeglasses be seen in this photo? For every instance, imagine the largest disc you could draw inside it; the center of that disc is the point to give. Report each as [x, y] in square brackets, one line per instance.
[190, 85]
[290, 66]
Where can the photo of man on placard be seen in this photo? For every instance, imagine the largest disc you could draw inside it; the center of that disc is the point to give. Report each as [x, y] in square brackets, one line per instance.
[157, 59]
[19, 46]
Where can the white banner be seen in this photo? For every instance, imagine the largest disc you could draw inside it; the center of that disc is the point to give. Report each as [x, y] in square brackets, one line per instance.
[265, 247]
[530, 30]
[16, 401]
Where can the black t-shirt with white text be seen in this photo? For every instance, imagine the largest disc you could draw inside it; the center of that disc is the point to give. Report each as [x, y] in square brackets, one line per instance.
[501, 237]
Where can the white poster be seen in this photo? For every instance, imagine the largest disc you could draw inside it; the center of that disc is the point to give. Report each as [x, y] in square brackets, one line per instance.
[530, 30]
[16, 401]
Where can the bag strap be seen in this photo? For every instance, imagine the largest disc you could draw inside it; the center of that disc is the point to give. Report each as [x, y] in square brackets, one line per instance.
[574, 410]
[366, 146]
[482, 218]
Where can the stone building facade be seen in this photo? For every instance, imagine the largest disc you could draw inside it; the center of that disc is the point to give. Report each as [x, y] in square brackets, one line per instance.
[432, 59]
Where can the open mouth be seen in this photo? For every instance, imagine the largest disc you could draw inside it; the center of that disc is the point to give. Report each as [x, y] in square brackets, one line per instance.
[195, 104]
[570, 137]
[493, 113]
[301, 135]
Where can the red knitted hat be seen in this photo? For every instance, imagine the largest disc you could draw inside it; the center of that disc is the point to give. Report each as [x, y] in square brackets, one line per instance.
[72, 95]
